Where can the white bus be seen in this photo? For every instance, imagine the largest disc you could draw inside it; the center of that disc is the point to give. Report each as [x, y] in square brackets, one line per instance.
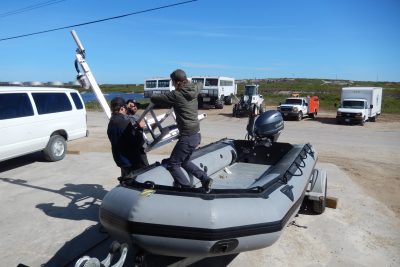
[157, 86]
[217, 90]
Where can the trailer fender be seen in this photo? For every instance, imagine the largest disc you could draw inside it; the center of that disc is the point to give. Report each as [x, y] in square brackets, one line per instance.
[318, 185]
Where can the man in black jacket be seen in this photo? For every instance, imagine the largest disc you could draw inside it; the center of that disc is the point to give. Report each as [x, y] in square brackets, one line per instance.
[184, 101]
[126, 140]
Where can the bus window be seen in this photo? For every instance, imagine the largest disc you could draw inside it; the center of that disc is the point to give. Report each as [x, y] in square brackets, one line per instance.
[151, 84]
[211, 82]
[163, 83]
[197, 80]
[225, 83]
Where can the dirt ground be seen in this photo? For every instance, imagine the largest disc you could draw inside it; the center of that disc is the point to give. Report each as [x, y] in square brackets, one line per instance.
[368, 154]
[61, 199]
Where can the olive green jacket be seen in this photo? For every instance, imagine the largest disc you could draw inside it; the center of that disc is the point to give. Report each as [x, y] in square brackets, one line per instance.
[184, 102]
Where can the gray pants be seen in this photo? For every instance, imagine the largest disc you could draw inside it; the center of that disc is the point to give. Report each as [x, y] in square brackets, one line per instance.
[180, 157]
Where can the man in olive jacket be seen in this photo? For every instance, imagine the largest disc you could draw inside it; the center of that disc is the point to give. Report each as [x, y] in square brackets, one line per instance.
[184, 101]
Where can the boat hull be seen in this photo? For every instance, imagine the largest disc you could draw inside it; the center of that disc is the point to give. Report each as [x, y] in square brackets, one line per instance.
[185, 223]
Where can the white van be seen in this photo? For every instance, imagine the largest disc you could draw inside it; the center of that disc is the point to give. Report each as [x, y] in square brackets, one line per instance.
[40, 118]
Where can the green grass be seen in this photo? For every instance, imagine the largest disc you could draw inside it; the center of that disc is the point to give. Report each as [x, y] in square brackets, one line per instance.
[391, 105]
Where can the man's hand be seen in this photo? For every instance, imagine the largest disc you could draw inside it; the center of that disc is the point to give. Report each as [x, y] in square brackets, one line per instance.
[142, 124]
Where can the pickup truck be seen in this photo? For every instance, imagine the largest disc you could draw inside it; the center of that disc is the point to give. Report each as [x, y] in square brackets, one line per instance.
[299, 107]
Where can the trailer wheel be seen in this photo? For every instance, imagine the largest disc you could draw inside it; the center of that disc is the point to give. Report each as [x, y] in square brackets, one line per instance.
[319, 205]
[300, 116]
[55, 149]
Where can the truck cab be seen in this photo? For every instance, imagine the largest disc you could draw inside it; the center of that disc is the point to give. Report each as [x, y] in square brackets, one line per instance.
[352, 111]
[251, 94]
[294, 107]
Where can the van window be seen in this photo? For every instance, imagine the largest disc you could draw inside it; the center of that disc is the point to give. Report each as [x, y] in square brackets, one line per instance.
[77, 101]
[15, 105]
[51, 102]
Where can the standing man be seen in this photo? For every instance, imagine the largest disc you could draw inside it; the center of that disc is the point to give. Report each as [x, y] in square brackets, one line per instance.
[126, 140]
[184, 101]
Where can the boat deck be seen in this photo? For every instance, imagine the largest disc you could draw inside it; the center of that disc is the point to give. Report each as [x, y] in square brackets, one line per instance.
[238, 175]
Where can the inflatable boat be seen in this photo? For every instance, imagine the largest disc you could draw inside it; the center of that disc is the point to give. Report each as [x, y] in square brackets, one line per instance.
[259, 185]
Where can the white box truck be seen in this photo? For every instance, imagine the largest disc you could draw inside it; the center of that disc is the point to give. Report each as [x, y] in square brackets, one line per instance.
[359, 104]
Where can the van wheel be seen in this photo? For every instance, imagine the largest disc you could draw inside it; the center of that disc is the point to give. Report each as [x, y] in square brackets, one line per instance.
[55, 149]
[373, 119]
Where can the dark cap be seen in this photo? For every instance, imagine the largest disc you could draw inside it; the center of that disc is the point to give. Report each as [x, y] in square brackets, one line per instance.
[117, 103]
[178, 76]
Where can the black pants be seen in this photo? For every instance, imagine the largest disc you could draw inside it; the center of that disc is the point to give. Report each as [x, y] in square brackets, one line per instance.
[180, 158]
[140, 162]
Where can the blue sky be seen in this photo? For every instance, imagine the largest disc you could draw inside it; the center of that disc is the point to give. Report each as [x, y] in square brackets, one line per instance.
[344, 39]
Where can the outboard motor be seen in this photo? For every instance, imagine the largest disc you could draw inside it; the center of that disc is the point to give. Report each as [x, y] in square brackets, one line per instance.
[266, 127]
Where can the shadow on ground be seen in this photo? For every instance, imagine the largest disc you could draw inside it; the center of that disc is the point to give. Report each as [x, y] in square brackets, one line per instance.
[84, 200]
[21, 161]
[325, 120]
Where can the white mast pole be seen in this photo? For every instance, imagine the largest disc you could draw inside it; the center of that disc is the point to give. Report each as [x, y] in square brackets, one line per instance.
[80, 57]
